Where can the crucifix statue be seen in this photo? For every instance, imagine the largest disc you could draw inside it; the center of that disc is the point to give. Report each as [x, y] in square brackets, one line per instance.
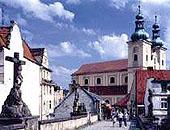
[14, 107]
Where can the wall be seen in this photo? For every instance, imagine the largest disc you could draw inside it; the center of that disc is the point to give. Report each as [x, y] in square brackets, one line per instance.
[67, 124]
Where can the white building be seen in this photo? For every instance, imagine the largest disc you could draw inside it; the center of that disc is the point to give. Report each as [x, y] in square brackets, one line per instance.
[38, 90]
[10, 42]
[160, 92]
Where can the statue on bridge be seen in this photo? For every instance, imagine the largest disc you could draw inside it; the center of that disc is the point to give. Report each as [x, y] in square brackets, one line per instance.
[14, 107]
[78, 107]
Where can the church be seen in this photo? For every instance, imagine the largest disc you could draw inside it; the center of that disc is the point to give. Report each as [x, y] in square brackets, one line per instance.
[119, 81]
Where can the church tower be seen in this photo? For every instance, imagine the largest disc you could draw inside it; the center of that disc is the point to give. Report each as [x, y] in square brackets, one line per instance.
[158, 56]
[145, 53]
[139, 49]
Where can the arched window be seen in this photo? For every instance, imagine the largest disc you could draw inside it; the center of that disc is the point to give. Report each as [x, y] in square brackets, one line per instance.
[135, 57]
[112, 80]
[49, 104]
[74, 81]
[126, 79]
[135, 49]
[86, 82]
[98, 80]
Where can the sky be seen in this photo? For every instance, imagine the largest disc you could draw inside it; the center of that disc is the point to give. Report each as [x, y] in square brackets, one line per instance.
[76, 32]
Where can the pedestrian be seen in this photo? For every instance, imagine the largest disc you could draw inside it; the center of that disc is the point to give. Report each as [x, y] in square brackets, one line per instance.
[120, 118]
[125, 117]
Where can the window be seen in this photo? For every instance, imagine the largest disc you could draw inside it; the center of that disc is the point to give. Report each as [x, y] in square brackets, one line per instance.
[162, 62]
[98, 80]
[135, 49]
[126, 79]
[154, 60]
[164, 87]
[151, 57]
[49, 104]
[164, 103]
[112, 80]
[50, 90]
[74, 81]
[146, 57]
[86, 81]
[135, 57]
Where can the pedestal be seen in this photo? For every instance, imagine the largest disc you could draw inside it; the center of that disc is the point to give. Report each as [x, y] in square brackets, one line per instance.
[25, 123]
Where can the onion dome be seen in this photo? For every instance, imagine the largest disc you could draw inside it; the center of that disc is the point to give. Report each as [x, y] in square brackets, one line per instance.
[156, 41]
[140, 33]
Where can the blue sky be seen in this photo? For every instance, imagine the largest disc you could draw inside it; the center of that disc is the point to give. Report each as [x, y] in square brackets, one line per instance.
[82, 31]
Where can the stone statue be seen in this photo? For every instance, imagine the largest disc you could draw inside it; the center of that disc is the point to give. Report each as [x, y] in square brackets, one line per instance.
[14, 107]
[150, 106]
[78, 107]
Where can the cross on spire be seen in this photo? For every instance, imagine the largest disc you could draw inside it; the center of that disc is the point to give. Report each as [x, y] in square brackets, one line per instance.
[139, 7]
[156, 19]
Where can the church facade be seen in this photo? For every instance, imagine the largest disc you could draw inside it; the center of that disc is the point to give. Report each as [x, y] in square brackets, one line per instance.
[115, 79]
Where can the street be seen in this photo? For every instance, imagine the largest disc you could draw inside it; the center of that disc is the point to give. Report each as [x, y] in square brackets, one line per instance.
[106, 125]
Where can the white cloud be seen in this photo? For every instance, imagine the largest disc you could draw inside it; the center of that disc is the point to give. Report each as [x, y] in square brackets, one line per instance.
[41, 10]
[21, 21]
[62, 75]
[27, 35]
[111, 46]
[73, 2]
[118, 3]
[89, 31]
[65, 49]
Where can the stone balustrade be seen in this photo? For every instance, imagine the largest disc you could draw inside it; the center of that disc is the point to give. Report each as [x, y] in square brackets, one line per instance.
[67, 124]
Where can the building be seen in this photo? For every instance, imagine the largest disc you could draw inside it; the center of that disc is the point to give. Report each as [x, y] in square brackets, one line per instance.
[49, 91]
[160, 92]
[38, 90]
[11, 41]
[115, 79]
[104, 78]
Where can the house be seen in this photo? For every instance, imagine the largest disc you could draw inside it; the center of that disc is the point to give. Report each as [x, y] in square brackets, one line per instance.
[49, 91]
[160, 92]
[11, 41]
[38, 89]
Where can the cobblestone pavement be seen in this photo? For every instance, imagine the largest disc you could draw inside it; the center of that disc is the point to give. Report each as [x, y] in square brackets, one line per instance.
[106, 125]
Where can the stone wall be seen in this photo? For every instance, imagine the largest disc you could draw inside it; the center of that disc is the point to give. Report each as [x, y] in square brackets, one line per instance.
[67, 124]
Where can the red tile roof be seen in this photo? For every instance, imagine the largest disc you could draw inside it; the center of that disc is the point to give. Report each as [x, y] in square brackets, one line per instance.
[123, 101]
[102, 67]
[141, 80]
[27, 52]
[5, 34]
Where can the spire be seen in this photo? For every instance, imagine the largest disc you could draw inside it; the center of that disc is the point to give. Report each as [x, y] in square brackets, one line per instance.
[156, 34]
[140, 33]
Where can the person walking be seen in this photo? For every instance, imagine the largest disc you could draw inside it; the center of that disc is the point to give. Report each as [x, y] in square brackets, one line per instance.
[120, 118]
[125, 117]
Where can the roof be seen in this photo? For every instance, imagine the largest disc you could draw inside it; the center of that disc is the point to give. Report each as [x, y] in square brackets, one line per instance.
[27, 53]
[5, 34]
[38, 52]
[102, 67]
[123, 101]
[141, 80]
